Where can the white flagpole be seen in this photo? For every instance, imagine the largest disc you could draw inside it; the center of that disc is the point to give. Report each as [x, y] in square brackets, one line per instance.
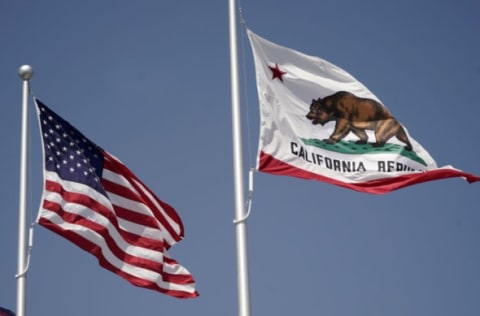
[25, 72]
[240, 223]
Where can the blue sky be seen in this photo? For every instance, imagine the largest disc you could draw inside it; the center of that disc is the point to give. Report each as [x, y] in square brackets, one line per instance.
[149, 81]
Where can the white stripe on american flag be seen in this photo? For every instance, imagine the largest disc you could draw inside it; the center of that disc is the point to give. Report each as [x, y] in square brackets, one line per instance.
[152, 233]
[131, 270]
[93, 216]
[168, 220]
[135, 206]
[66, 209]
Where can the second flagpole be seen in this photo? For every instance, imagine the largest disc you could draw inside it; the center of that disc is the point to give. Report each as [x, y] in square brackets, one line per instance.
[240, 209]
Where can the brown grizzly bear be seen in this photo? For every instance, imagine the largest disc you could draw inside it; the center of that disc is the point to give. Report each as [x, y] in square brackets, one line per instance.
[354, 114]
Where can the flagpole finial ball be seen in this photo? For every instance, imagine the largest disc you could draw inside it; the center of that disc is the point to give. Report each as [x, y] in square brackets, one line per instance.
[25, 72]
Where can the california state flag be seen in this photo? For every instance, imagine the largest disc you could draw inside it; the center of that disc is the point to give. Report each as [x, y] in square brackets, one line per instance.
[318, 122]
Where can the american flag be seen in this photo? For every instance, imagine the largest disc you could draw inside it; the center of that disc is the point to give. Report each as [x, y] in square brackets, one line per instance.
[92, 199]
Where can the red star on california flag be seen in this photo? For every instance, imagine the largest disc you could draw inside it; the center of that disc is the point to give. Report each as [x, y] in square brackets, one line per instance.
[276, 72]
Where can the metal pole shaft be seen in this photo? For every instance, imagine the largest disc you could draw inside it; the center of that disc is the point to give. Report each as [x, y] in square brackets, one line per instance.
[240, 227]
[25, 73]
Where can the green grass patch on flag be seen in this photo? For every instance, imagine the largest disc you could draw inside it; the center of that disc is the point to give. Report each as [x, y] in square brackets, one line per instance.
[352, 148]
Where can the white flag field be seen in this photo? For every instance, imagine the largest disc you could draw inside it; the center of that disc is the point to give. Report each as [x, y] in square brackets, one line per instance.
[318, 122]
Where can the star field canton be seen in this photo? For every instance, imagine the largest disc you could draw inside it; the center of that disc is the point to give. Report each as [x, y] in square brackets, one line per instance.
[70, 154]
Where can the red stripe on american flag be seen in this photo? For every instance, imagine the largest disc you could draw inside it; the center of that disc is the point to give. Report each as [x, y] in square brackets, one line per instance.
[96, 250]
[93, 248]
[127, 214]
[114, 165]
[102, 231]
[91, 204]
